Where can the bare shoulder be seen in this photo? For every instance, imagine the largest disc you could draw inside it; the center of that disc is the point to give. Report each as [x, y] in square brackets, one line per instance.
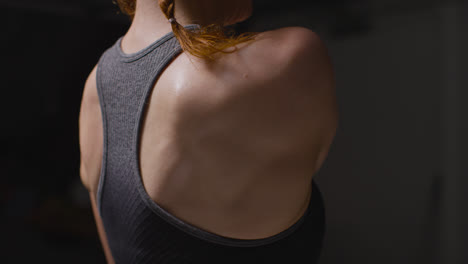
[302, 61]
[292, 68]
[90, 134]
[290, 54]
[285, 75]
[297, 61]
[289, 38]
[278, 61]
[288, 67]
[272, 55]
[294, 72]
[291, 59]
[285, 45]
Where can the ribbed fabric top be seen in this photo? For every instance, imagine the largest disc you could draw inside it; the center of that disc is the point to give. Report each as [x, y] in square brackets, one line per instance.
[137, 228]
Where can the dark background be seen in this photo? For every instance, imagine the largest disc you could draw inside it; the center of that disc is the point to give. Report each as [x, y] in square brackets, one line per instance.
[394, 181]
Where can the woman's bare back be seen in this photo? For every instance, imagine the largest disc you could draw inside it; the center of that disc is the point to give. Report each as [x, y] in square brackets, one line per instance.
[238, 140]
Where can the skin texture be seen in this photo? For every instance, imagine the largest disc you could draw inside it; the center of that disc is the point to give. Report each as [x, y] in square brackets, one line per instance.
[239, 139]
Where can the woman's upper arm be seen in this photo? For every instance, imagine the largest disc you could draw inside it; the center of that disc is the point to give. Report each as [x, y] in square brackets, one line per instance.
[100, 229]
[90, 135]
[91, 144]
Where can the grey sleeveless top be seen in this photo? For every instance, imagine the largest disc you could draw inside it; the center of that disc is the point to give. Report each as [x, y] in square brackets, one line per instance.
[137, 228]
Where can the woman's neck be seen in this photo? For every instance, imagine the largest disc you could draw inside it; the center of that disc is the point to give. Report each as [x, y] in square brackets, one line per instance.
[150, 23]
[203, 12]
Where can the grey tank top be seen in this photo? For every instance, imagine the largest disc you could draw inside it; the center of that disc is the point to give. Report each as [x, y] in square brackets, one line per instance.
[137, 228]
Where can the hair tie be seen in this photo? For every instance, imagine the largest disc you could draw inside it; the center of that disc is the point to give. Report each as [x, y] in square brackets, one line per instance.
[172, 20]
